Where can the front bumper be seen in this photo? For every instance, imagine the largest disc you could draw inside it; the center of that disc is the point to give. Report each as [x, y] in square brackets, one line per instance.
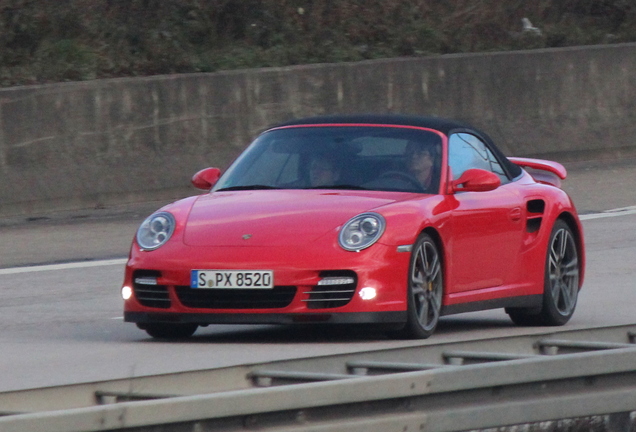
[297, 296]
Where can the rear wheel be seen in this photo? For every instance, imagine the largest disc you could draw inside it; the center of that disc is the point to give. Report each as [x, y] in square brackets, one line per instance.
[425, 289]
[561, 282]
[170, 331]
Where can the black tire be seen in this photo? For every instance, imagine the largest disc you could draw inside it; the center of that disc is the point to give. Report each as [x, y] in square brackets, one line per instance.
[425, 289]
[170, 331]
[561, 282]
[524, 317]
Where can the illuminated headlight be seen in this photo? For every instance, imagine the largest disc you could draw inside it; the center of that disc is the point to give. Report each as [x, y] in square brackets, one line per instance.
[155, 230]
[361, 231]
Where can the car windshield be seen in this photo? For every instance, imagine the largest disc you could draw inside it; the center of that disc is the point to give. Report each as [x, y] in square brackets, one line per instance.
[339, 157]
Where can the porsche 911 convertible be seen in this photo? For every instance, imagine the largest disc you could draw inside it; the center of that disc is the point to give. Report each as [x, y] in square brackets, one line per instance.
[384, 220]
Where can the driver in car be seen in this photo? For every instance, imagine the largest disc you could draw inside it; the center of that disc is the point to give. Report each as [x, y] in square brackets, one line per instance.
[420, 162]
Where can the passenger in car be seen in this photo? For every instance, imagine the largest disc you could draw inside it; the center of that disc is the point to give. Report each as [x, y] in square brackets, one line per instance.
[324, 170]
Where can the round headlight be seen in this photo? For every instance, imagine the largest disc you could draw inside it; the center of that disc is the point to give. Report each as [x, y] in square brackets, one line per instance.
[155, 230]
[361, 231]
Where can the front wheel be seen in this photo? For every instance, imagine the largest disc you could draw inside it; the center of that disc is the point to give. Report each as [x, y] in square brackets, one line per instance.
[425, 289]
[561, 282]
[170, 331]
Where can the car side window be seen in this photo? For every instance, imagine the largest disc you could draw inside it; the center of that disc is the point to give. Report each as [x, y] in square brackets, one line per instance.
[466, 151]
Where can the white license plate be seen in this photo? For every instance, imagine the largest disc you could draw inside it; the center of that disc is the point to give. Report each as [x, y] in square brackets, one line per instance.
[232, 279]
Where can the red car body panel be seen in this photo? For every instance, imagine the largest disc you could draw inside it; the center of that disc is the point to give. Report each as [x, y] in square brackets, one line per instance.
[494, 246]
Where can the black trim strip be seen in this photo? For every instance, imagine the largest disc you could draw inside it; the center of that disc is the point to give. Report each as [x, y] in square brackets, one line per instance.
[223, 318]
[531, 301]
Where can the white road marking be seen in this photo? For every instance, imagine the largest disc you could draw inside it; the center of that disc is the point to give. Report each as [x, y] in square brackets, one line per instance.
[65, 266]
[623, 211]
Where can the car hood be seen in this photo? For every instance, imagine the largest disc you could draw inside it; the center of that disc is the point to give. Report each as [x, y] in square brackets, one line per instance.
[276, 217]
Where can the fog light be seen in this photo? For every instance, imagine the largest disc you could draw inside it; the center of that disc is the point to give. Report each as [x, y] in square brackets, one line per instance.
[343, 280]
[367, 293]
[126, 292]
[149, 280]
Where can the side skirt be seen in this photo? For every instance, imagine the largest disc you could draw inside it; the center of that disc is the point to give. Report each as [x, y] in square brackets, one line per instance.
[531, 301]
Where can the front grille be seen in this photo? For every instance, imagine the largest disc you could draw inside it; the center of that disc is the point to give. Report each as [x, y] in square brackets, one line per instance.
[278, 297]
[332, 296]
[148, 294]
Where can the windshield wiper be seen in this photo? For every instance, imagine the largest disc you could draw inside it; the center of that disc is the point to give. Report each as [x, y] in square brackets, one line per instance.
[246, 187]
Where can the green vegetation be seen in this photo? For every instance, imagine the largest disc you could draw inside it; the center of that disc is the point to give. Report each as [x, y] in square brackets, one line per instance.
[71, 40]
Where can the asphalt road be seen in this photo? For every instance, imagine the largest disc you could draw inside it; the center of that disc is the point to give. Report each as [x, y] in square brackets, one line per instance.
[62, 324]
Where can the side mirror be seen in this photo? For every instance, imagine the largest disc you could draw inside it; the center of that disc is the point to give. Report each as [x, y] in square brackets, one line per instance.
[206, 178]
[476, 180]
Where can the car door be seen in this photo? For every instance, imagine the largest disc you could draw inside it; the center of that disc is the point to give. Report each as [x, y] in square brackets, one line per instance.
[487, 227]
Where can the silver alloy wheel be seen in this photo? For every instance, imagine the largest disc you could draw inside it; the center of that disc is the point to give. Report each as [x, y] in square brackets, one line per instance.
[426, 285]
[563, 272]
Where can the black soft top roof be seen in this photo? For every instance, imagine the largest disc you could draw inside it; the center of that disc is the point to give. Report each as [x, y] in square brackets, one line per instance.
[446, 126]
[440, 124]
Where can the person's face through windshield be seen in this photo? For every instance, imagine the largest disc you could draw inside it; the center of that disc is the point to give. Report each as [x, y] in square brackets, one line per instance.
[420, 162]
[323, 171]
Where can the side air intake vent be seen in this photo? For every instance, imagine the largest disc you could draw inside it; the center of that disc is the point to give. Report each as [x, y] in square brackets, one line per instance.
[535, 215]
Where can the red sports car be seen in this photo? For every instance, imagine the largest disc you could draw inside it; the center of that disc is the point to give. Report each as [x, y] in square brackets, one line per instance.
[369, 219]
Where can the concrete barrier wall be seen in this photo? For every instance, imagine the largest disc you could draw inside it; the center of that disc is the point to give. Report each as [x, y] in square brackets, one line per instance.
[104, 142]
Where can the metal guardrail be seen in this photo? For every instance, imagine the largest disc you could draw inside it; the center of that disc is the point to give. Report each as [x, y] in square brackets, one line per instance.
[454, 387]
